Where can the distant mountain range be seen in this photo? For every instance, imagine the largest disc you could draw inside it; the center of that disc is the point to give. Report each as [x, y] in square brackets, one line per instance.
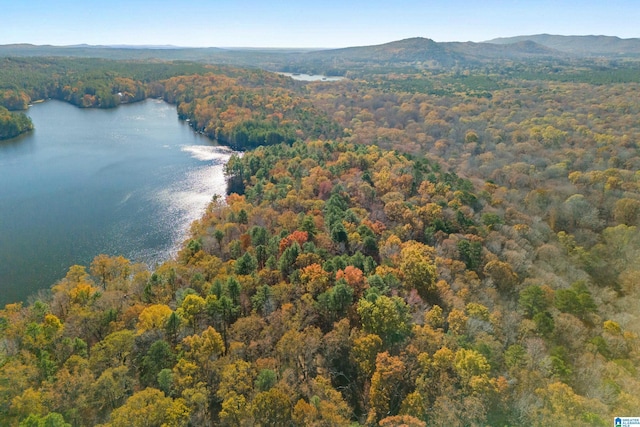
[422, 49]
[419, 51]
[580, 45]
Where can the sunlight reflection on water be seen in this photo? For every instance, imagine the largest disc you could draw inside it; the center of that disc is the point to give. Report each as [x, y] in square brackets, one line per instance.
[126, 181]
[186, 200]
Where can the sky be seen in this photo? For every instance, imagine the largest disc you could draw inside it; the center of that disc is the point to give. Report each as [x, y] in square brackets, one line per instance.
[322, 23]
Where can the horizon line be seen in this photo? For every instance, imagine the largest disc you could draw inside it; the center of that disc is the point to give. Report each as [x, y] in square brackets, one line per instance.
[165, 46]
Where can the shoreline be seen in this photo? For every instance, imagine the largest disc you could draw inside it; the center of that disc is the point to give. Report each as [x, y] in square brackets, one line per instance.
[181, 201]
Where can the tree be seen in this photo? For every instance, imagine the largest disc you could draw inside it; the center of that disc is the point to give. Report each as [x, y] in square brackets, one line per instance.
[30, 401]
[457, 322]
[298, 350]
[192, 309]
[262, 301]
[151, 408]
[627, 211]
[470, 253]
[418, 268]
[13, 124]
[387, 387]
[111, 389]
[576, 300]
[364, 352]
[562, 406]
[387, 317]
[288, 258]
[325, 407]
[533, 300]
[580, 213]
[115, 350]
[337, 300]
[237, 378]
[52, 419]
[235, 410]
[154, 316]
[219, 236]
[246, 264]
[272, 408]
[401, 421]
[159, 356]
[354, 277]
[70, 392]
[265, 380]
[314, 278]
[203, 350]
[234, 172]
[469, 364]
[171, 327]
[297, 236]
[501, 274]
[165, 381]
[108, 269]
[223, 311]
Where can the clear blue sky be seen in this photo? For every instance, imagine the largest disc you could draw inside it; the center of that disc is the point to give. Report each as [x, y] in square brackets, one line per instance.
[322, 23]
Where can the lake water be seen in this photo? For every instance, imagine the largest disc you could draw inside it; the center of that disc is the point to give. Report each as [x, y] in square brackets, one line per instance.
[311, 77]
[126, 181]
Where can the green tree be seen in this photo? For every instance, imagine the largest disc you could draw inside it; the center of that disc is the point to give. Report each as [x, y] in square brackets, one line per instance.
[160, 356]
[387, 317]
[470, 253]
[532, 301]
[262, 301]
[288, 259]
[52, 419]
[246, 264]
[576, 300]
[265, 380]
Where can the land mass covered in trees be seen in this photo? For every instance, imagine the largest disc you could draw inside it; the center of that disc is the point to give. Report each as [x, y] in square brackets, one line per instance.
[13, 124]
[451, 246]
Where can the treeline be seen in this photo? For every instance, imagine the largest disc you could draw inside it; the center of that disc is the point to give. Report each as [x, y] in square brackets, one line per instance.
[13, 124]
[240, 108]
[247, 111]
[84, 82]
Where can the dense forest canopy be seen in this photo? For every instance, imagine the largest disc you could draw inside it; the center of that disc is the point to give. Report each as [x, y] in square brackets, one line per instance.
[241, 108]
[13, 124]
[410, 245]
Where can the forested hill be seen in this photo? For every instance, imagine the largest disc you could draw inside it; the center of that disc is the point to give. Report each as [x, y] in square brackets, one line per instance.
[13, 124]
[444, 54]
[238, 107]
[580, 45]
[417, 52]
[433, 54]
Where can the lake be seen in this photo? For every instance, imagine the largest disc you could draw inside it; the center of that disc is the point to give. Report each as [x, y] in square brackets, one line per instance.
[125, 181]
[311, 77]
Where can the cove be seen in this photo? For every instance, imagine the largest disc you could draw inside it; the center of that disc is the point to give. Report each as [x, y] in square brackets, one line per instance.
[125, 181]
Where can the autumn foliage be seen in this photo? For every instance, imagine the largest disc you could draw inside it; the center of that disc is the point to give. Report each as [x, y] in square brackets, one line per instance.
[403, 257]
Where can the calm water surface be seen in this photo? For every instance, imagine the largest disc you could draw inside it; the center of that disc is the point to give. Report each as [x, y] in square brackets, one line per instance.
[311, 77]
[126, 181]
